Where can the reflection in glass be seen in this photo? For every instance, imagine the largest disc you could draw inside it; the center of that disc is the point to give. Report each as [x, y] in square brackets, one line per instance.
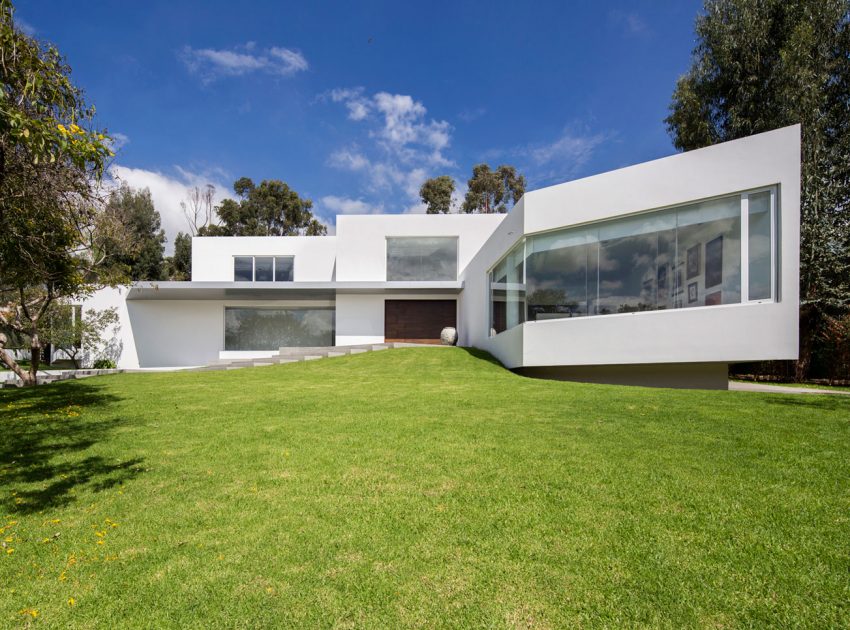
[263, 269]
[679, 258]
[243, 268]
[283, 268]
[708, 259]
[630, 253]
[507, 291]
[273, 328]
[759, 246]
[560, 267]
[421, 258]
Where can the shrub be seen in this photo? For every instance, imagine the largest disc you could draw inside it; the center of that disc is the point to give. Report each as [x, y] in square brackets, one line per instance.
[104, 364]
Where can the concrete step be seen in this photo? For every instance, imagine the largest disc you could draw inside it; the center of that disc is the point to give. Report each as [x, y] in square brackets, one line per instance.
[312, 353]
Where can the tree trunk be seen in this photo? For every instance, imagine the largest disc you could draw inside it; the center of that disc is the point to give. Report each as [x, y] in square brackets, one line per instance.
[35, 361]
[7, 358]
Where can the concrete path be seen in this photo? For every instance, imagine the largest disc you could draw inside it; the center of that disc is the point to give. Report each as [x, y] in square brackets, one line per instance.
[769, 388]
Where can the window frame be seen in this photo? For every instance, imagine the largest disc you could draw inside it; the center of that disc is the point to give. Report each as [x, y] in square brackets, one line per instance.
[775, 253]
[254, 257]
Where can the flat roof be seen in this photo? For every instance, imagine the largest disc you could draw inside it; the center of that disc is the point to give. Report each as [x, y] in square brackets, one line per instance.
[280, 290]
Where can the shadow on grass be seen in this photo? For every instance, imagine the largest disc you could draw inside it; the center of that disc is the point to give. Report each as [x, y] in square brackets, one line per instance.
[46, 432]
[824, 402]
[483, 355]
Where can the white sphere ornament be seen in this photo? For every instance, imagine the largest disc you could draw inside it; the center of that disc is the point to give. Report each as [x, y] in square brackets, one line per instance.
[448, 336]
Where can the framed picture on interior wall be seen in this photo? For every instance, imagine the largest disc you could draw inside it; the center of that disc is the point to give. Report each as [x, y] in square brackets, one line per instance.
[692, 292]
[694, 260]
[714, 262]
[713, 299]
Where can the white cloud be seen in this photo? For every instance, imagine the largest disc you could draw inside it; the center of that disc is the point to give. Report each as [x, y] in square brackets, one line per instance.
[167, 192]
[571, 146]
[402, 128]
[211, 64]
[25, 27]
[631, 22]
[345, 205]
[119, 140]
[403, 149]
[468, 115]
[349, 159]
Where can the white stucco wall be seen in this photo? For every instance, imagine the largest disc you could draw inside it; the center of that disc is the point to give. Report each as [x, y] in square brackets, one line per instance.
[362, 239]
[729, 333]
[360, 317]
[315, 256]
[123, 335]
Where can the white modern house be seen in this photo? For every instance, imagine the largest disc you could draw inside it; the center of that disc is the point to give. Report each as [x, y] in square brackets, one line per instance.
[661, 273]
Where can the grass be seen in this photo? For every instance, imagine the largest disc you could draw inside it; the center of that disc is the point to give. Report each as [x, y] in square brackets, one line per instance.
[419, 488]
[838, 388]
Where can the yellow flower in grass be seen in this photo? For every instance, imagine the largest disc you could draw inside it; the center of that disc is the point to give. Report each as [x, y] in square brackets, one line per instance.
[72, 601]
[62, 577]
[9, 551]
[101, 542]
[32, 612]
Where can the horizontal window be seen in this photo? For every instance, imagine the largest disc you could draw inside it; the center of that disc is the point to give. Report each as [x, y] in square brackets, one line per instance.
[683, 257]
[273, 328]
[263, 268]
[422, 258]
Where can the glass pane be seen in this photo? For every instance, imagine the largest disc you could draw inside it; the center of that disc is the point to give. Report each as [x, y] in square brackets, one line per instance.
[708, 254]
[560, 269]
[263, 268]
[243, 269]
[422, 258]
[507, 292]
[273, 328]
[759, 246]
[283, 269]
[631, 252]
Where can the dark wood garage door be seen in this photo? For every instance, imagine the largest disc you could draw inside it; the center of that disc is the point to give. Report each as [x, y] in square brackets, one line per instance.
[418, 321]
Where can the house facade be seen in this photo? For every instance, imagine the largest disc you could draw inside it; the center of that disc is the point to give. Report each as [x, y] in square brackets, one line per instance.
[661, 273]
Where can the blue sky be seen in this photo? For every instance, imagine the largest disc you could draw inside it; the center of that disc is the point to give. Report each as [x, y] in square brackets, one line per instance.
[354, 104]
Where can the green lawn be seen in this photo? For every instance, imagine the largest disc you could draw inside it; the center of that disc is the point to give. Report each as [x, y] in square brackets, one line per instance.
[838, 388]
[419, 488]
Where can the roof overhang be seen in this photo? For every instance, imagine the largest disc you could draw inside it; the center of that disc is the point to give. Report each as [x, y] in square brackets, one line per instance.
[280, 290]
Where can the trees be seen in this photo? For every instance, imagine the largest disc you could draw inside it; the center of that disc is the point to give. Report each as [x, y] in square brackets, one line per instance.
[271, 208]
[763, 64]
[179, 266]
[51, 157]
[134, 210]
[436, 193]
[489, 191]
[79, 335]
[198, 208]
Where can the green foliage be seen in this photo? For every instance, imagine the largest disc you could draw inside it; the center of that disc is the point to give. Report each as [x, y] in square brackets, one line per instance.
[140, 225]
[490, 191]
[270, 209]
[42, 113]
[436, 194]
[79, 334]
[179, 266]
[51, 158]
[426, 488]
[103, 364]
[763, 64]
